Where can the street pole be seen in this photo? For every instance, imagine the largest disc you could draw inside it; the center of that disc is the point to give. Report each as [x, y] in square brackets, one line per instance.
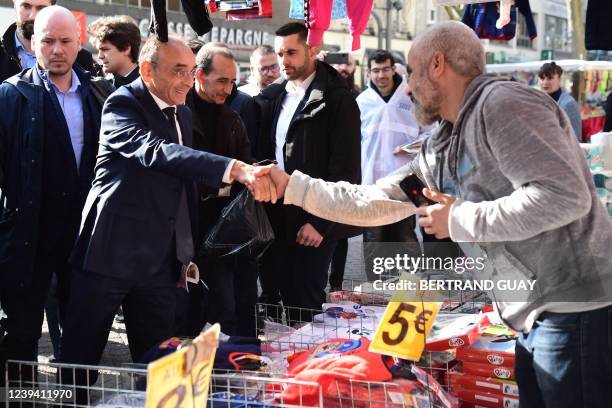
[388, 28]
[380, 27]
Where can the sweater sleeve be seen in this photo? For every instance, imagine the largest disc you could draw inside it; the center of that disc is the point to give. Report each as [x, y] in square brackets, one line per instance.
[351, 204]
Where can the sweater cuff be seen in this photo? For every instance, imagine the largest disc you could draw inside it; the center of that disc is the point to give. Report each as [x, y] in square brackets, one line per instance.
[461, 221]
[296, 190]
[315, 37]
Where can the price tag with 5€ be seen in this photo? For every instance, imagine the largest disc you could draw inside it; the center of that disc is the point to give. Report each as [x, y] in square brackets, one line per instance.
[404, 328]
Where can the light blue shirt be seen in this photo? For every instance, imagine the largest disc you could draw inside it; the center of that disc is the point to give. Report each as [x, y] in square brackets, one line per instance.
[27, 59]
[72, 107]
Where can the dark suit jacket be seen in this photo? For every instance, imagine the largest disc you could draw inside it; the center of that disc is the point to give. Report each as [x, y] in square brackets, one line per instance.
[129, 216]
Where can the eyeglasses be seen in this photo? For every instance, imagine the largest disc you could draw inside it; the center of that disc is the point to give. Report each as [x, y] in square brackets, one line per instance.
[377, 71]
[181, 73]
[269, 68]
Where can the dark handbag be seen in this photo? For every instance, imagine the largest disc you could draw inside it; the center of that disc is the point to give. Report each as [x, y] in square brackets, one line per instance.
[243, 229]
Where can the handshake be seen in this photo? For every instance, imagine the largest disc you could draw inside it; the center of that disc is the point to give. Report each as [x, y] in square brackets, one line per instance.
[266, 183]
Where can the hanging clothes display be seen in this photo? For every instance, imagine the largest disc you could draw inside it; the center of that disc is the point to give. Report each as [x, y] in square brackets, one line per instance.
[296, 10]
[483, 19]
[317, 15]
[195, 10]
[263, 9]
[598, 28]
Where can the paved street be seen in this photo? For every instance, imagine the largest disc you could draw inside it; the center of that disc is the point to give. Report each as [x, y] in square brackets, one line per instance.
[117, 353]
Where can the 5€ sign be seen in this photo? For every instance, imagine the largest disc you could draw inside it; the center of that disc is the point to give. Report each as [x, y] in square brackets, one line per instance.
[403, 329]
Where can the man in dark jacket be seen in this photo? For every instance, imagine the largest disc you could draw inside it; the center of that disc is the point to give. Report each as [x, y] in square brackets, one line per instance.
[309, 123]
[245, 106]
[232, 282]
[49, 126]
[16, 51]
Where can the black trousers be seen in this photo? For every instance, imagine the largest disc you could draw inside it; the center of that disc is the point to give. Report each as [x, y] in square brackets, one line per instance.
[336, 275]
[148, 307]
[374, 239]
[230, 299]
[24, 307]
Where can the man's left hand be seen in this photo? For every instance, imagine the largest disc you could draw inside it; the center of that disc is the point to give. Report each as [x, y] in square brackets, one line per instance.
[434, 218]
[309, 236]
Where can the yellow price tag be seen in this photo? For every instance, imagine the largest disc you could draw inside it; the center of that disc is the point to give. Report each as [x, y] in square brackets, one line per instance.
[403, 329]
[182, 378]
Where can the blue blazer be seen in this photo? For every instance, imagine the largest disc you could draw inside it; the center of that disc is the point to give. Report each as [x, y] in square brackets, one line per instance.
[128, 222]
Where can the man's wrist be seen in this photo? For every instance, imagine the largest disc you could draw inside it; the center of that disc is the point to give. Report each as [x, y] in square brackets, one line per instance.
[235, 169]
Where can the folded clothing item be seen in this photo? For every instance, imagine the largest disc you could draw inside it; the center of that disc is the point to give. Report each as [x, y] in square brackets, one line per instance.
[338, 359]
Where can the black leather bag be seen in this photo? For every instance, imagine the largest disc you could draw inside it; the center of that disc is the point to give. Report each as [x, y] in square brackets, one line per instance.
[243, 229]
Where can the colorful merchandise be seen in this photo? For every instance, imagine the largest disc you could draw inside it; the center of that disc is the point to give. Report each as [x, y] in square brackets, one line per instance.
[318, 16]
[487, 370]
[492, 385]
[339, 359]
[296, 10]
[486, 399]
[454, 331]
[483, 19]
[491, 348]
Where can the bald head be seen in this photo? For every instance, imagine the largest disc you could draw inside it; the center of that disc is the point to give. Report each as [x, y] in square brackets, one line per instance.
[55, 16]
[460, 46]
[56, 40]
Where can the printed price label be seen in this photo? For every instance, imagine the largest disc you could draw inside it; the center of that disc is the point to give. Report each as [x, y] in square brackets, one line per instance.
[182, 378]
[403, 329]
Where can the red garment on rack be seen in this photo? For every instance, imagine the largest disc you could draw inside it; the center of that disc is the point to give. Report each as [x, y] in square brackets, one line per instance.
[592, 125]
[318, 16]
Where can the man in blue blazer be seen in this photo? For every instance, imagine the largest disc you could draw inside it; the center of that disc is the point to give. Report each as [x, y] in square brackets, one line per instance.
[138, 220]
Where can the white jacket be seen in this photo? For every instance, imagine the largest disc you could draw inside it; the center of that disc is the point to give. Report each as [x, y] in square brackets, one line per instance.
[384, 127]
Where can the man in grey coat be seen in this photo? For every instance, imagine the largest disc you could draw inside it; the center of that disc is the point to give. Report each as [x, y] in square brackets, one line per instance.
[550, 82]
[507, 178]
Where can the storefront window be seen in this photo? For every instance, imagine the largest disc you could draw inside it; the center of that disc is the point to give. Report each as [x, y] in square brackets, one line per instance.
[556, 35]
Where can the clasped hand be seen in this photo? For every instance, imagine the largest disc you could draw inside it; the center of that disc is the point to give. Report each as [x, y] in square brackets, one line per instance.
[266, 183]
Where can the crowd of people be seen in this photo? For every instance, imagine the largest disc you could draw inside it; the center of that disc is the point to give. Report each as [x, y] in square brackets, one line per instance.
[112, 174]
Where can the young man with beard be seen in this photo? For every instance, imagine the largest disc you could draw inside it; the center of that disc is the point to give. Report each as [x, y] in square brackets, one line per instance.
[387, 124]
[510, 184]
[117, 39]
[16, 52]
[310, 122]
[347, 71]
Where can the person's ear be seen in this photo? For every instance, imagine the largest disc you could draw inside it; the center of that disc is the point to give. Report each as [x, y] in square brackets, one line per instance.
[146, 71]
[437, 65]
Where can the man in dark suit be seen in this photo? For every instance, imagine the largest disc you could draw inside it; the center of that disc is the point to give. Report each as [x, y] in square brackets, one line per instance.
[51, 110]
[136, 233]
[311, 123]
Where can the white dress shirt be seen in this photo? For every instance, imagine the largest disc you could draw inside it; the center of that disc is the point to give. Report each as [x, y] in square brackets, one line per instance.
[294, 96]
[163, 105]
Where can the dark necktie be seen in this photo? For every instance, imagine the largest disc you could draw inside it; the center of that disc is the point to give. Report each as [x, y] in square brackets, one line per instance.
[184, 239]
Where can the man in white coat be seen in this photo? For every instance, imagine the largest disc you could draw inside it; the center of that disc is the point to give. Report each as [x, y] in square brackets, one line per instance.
[388, 127]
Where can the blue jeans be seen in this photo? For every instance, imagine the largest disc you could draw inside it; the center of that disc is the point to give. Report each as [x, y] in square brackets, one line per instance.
[566, 361]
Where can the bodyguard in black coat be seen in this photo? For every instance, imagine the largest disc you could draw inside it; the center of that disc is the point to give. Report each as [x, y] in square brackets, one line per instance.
[49, 124]
[322, 140]
[11, 65]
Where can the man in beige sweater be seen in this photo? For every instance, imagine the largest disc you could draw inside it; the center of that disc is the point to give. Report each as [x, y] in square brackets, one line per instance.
[507, 175]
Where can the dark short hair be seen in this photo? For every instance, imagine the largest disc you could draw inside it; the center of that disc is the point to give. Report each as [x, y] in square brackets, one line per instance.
[204, 57]
[549, 70]
[195, 44]
[293, 28]
[121, 31]
[380, 56]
